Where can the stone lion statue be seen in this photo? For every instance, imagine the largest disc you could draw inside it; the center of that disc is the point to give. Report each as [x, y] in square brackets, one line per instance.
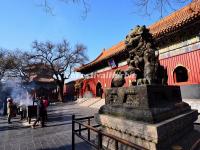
[144, 57]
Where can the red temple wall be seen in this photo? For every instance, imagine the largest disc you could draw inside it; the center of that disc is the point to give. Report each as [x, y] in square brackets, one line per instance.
[191, 61]
[104, 78]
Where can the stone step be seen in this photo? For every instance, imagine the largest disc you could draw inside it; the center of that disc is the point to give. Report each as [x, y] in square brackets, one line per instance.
[81, 100]
[195, 104]
[98, 104]
[89, 102]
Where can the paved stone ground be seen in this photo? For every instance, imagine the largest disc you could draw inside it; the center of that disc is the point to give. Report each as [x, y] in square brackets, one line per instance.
[56, 136]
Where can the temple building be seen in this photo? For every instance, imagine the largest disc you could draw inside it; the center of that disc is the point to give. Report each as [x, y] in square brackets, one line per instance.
[177, 37]
[41, 82]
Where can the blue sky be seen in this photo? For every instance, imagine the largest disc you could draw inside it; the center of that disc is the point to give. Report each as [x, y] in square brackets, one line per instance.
[107, 23]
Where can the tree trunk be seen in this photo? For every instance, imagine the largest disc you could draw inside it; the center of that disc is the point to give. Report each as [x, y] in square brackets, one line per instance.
[60, 92]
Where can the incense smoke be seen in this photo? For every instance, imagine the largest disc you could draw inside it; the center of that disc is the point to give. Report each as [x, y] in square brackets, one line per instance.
[18, 92]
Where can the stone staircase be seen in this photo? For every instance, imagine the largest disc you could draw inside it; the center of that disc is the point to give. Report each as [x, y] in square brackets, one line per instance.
[98, 104]
[195, 104]
[90, 102]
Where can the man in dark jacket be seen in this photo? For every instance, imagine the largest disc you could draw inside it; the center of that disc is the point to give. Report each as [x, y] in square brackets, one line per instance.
[40, 113]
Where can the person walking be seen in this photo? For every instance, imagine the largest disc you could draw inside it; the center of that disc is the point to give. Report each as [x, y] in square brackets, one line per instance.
[46, 104]
[9, 109]
[40, 114]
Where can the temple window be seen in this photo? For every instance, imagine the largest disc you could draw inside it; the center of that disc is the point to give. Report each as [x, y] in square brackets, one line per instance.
[99, 90]
[180, 74]
[88, 87]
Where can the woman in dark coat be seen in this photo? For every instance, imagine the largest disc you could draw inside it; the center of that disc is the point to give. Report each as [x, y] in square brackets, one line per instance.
[40, 113]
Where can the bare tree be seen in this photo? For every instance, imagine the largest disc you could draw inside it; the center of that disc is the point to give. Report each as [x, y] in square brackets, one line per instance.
[48, 7]
[147, 7]
[60, 58]
[13, 65]
[7, 63]
[20, 60]
[2, 63]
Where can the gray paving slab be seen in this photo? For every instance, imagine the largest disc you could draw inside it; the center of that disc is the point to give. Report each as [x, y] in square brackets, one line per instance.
[55, 136]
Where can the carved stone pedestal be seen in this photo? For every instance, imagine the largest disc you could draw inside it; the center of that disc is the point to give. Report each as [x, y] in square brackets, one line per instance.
[157, 136]
[152, 116]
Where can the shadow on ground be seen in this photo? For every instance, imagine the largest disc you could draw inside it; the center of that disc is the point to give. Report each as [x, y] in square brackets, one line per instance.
[187, 141]
[80, 146]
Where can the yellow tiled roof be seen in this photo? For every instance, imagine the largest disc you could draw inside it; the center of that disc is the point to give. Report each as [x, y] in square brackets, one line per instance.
[166, 25]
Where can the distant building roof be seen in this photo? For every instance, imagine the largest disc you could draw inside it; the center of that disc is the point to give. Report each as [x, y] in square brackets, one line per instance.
[173, 22]
[44, 80]
[40, 72]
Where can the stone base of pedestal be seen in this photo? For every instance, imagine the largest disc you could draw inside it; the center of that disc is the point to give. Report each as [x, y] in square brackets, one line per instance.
[158, 136]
